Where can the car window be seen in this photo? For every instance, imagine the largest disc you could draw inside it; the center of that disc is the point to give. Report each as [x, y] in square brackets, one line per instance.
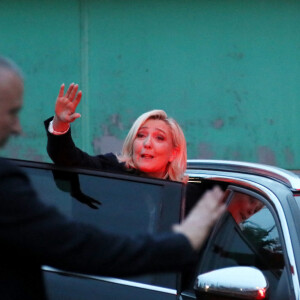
[114, 208]
[247, 235]
[120, 204]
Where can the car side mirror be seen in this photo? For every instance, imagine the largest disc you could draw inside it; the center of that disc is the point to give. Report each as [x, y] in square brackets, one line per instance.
[233, 282]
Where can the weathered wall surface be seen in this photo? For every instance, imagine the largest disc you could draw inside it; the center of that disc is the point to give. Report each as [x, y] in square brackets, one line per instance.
[228, 71]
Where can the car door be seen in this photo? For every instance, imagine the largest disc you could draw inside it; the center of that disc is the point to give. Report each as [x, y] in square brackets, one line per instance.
[245, 256]
[117, 203]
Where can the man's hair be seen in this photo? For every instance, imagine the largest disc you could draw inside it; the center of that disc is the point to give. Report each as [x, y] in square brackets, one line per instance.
[7, 64]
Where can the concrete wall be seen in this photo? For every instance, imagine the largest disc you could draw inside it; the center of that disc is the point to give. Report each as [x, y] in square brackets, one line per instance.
[228, 71]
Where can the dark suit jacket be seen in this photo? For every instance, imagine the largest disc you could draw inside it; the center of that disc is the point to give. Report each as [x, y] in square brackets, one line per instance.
[33, 234]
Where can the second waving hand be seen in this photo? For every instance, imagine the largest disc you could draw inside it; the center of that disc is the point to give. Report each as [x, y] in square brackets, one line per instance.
[197, 225]
[65, 107]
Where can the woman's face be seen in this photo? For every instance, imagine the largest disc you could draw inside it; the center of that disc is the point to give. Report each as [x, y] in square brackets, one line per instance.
[243, 207]
[153, 148]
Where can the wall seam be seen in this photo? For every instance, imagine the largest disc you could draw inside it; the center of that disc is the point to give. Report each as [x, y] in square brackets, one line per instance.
[84, 74]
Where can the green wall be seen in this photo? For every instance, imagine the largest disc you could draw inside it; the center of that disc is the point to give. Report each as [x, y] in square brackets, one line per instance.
[228, 71]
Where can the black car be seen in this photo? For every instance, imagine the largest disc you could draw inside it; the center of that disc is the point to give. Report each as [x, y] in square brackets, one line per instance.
[253, 252]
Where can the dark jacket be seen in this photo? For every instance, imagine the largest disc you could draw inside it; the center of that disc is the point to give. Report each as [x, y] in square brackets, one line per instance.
[33, 234]
[62, 151]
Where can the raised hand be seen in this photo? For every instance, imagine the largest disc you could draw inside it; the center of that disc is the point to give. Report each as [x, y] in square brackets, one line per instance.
[65, 107]
[206, 212]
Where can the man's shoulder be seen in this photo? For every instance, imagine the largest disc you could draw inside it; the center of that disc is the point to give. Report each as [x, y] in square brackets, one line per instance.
[7, 165]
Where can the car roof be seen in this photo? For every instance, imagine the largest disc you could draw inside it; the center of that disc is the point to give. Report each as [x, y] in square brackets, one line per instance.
[288, 178]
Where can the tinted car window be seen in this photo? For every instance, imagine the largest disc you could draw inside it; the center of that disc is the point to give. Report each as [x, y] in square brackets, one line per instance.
[121, 205]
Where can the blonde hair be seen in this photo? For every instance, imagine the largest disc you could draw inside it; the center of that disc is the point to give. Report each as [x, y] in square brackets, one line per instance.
[177, 167]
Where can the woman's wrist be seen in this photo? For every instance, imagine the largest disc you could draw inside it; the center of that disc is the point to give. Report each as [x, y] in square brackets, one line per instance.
[60, 126]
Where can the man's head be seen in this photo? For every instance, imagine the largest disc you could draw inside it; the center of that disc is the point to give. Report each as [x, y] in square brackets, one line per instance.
[243, 206]
[11, 99]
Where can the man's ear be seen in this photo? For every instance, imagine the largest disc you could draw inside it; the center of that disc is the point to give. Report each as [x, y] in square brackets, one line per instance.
[174, 154]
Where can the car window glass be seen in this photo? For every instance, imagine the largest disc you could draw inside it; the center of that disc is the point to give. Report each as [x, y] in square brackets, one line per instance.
[255, 222]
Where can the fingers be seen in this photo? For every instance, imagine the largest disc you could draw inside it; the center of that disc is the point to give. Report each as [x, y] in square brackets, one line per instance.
[213, 201]
[208, 209]
[77, 99]
[73, 92]
[61, 91]
[211, 198]
[203, 216]
[74, 116]
[217, 193]
[71, 86]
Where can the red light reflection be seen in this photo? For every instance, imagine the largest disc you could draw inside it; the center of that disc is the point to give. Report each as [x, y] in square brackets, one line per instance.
[261, 294]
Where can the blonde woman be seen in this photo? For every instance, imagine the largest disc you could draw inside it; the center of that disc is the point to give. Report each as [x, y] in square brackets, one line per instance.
[154, 147]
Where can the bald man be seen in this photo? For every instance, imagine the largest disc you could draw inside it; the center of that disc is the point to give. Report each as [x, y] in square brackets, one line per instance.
[33, 234]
